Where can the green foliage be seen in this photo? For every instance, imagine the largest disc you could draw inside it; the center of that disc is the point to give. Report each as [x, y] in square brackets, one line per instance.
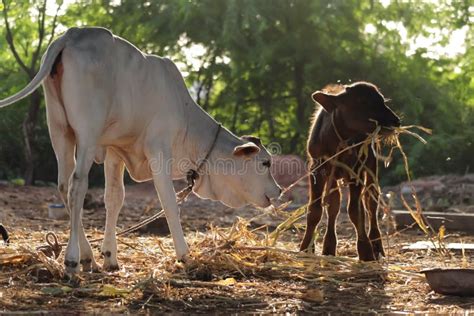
[263, 59]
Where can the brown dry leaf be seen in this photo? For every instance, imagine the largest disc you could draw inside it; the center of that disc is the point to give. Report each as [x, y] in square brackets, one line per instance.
[226, 282]
[313, 295]
[14, 258]
[441, 232]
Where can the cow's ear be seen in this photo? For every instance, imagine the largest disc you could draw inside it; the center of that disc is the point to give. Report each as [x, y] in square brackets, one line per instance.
[247, 149]
[254, 139]
[327, 101]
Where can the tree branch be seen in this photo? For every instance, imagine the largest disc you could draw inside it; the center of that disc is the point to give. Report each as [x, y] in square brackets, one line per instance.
[41, 29]
[55, 20]
[10, 41]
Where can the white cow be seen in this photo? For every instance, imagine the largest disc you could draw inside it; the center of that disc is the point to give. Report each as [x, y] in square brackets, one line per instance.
[109, 102]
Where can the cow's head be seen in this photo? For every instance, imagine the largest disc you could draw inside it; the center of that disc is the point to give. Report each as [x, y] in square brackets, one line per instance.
[238, 173]
[360, 106]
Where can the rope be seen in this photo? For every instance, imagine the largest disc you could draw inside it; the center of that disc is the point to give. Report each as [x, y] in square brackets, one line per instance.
[53, 248]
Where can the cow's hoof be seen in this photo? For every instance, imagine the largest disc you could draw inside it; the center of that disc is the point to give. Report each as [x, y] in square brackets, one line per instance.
[110, 263]
[186, 260]
[111, 267]
[72, 279]
[71, 273]
[86, 265]
[71, 266]
[72, 270]
[89, 265]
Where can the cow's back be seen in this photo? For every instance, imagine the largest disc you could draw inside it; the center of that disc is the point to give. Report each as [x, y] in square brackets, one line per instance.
[127, 99]
[134, 88]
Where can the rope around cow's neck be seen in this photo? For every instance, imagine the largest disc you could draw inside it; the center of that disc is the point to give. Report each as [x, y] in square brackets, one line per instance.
[192, 175]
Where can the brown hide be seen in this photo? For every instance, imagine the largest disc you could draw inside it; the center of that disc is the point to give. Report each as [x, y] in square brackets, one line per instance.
[348, 114]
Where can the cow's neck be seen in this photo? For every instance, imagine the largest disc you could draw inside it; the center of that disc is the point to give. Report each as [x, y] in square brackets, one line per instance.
[200, 136]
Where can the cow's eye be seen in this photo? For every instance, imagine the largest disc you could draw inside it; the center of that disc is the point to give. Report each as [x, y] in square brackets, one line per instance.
[267, 163]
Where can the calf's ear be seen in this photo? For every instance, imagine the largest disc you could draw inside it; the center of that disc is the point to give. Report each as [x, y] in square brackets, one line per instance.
[247, 149]
[327, 101]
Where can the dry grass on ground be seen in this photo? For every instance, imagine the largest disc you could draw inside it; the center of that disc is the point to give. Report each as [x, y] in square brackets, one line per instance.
[233, 268]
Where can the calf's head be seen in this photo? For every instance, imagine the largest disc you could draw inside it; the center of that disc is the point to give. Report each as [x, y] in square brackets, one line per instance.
[238, 174]
[360, 107]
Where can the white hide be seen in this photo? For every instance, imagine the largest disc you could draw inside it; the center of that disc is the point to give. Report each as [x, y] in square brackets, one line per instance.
[133, 110]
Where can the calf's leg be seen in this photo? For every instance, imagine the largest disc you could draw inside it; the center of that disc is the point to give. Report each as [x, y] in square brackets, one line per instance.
[316, 187]
[371, 202]
[333, 202]
[357, 216]
[114, 196]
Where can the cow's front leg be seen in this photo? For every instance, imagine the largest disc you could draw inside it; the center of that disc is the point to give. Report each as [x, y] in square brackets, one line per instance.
[114, 195]
[164, 187]
[87, 260]
[77, 192]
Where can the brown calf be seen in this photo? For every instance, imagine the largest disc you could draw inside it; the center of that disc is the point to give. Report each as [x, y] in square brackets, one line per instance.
[348, 114]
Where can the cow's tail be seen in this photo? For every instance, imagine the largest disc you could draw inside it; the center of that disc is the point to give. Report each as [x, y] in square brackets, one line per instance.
[46, 65]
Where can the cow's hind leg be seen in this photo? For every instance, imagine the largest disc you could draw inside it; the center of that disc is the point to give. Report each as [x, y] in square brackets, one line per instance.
[357, 216]
[114, 195]
[63, 142]
[77, 191]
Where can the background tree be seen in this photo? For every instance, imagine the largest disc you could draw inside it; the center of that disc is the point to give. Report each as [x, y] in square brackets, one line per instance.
[28, 60]
[254, 64]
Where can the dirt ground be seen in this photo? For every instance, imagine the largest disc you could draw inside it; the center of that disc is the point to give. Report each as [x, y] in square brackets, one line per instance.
[150, 281]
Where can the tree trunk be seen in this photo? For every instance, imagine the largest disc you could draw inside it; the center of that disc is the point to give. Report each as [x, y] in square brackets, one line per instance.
[29, 125]
[236, 111]
[300, 105]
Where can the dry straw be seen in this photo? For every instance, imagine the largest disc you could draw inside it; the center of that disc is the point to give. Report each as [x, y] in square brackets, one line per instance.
[222, 257]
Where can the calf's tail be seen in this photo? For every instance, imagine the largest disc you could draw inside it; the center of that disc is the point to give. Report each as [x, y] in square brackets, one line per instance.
[46, 65]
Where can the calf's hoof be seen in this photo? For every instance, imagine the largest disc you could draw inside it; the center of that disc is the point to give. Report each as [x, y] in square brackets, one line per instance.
[329, 247]
[365, 251]
[329, 252]
[377, 247]
[306, 247]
